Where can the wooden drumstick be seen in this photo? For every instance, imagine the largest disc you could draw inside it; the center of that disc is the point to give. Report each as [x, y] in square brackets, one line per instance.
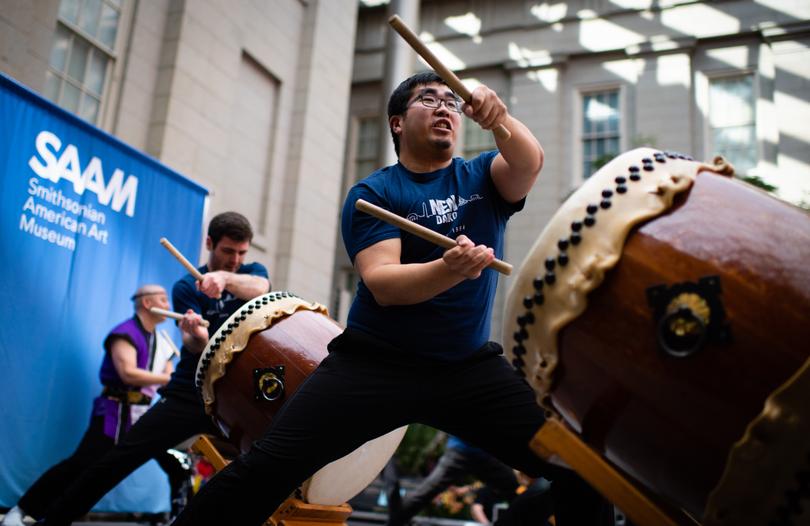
[173, 315]
[181, 258]
[170, 343]
[443, 71]
[420, 231]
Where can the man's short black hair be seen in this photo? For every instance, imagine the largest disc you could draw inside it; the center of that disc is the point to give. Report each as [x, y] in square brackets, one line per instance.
[398, 102]
[229, 224]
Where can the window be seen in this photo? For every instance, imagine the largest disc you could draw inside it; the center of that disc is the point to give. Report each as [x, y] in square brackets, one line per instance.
[82, 55]
[476, 139]
[732, 120]
[366, 149]
[600, 130]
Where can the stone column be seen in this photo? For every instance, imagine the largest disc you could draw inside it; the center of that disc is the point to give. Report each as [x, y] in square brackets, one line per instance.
[399, 64]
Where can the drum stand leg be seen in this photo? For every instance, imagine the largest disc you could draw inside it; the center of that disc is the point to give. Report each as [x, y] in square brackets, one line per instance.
[554, 438]
[203, 446]
[293, 511]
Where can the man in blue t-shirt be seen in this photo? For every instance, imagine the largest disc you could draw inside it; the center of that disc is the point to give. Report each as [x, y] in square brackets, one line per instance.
[415, 349]
[227, 284]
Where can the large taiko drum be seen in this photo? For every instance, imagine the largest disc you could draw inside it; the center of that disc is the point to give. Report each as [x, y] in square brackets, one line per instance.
[664, 314]
[256, 360]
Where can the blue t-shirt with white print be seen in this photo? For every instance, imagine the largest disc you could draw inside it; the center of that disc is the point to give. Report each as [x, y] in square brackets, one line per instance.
[458, 199]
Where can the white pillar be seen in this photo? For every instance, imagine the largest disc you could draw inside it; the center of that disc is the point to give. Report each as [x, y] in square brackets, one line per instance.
[399, 64]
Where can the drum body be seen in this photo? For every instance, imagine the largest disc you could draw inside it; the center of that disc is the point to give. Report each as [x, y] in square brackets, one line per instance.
[288, 351]
[702, 317]
[256, 361]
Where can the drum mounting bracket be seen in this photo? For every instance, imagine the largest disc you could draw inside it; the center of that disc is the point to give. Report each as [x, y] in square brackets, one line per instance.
[687, 315]
[269, 383]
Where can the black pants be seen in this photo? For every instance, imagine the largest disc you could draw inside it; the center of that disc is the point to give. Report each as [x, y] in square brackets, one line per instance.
[453, 467]
[170, 421]
[94, 445]
[364, 389]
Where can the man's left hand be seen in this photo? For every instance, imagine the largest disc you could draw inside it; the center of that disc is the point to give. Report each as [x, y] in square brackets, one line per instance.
[485, 108]
[212, 284]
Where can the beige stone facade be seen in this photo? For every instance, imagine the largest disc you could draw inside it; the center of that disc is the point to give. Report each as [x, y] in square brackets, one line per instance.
[249, 99]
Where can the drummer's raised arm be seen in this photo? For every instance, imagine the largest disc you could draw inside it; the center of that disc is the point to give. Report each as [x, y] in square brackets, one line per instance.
[243, 286]
[514, 171]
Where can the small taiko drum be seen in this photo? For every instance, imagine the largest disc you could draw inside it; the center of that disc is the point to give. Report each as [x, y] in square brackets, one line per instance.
[664, 314]
[256, 360]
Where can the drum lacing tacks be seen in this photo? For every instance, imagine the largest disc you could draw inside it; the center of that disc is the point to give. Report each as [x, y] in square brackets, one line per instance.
[562, 258]
[241, 315]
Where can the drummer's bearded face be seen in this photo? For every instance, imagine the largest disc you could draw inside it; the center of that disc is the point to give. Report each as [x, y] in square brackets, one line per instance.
[228, 254]
[435, 128]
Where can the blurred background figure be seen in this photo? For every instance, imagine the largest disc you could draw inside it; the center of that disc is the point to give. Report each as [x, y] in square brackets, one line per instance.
[134, 366]
[459, 462]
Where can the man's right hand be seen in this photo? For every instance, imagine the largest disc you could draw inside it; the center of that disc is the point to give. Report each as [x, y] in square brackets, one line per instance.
[195, 336]
[467, 258]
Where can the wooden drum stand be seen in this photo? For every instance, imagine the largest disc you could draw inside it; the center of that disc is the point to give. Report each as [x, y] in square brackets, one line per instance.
[293, 511]
[554, 439]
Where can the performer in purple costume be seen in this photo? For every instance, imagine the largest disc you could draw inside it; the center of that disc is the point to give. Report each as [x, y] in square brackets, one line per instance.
[130, 373]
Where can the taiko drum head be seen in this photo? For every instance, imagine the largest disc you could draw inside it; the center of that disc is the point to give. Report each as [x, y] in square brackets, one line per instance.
[256, 360]
[662, 313]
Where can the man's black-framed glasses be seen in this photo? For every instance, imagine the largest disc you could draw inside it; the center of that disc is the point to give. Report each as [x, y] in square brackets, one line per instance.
[429, 100]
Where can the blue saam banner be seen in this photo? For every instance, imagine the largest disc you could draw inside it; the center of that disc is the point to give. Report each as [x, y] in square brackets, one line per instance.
[81, 216]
